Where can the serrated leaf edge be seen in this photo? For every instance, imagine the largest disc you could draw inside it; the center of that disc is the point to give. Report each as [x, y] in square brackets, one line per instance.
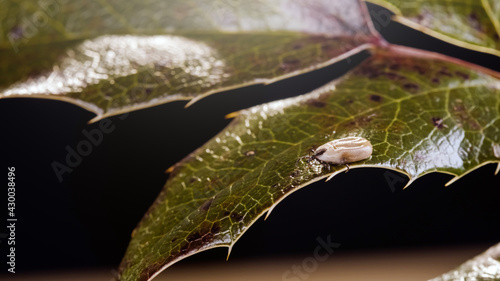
[268, 210]
[100, 114]
[394, 49]
[191, 100]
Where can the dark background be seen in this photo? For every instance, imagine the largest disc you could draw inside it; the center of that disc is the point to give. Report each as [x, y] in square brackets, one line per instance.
[85, 221]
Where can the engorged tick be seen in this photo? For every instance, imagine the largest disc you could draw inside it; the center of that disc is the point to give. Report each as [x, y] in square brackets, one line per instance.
[344, 151]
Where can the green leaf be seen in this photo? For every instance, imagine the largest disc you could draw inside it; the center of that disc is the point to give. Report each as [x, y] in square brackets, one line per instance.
[421, 115]
[114, 57]
[485, 267]
[473, 24]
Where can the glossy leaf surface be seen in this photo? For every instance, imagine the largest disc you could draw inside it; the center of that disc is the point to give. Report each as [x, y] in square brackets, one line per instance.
[473, 24]
[112, 57]
[420, 114]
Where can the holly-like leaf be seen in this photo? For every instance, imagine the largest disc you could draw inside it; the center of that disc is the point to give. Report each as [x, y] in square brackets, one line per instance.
[112, 57]
[421, 115]
[485, 267]
[473, 24]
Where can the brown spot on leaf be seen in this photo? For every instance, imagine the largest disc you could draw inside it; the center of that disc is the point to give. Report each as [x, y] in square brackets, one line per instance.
[473, 16]
[411, 87]
[226, 213]
[474, 21]
[465, 76]
[474, 125]
[297, 46]
[315, 103]
[206, 205]
[236, 216]
[435, 80]
[438, 122]
[419, 69]
[444, 72]
[395, 66]
[215, 228]
[376, 98]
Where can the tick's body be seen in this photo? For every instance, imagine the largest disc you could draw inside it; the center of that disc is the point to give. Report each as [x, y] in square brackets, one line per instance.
[344, 151]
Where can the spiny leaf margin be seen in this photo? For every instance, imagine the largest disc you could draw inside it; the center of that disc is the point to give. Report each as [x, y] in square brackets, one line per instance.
[421, 115]
[125, 64]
